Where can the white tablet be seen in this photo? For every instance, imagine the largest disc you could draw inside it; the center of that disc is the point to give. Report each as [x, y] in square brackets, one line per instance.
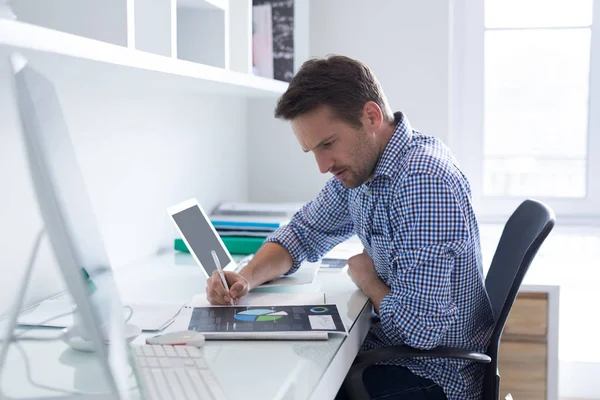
[200, 236]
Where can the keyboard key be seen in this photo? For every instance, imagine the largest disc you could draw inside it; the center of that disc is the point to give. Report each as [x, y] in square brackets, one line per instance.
[187, 385]
[161, 384]
[175, 385]
[149, 386]
[164, 362]
[148, 351]
[181, 352]
[170, 351]
[139, 351]
[188, 362]
[152, 361]
[199, 383]
[200, 363]
[213, 385]
[159, 351]
[194, 352]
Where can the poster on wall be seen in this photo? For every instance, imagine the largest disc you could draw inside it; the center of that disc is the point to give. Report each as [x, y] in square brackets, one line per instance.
[282, 37]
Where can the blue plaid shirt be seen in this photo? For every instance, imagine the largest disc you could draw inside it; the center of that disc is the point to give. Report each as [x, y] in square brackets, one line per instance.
[416, 222]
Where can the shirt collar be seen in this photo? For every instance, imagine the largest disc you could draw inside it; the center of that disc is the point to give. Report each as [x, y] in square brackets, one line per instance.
[393, 150]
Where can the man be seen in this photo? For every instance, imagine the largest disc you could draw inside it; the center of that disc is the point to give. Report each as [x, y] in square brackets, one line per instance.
[402, 193]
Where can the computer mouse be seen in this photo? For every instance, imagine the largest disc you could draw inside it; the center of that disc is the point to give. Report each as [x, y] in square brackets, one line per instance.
[179, 338]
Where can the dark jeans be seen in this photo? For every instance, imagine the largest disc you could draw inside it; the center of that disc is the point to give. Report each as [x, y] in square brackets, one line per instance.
[388, 382]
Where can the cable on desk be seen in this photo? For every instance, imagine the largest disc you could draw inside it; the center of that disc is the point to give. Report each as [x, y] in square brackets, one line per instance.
[30, 379]
[24, 331]
[50, 388]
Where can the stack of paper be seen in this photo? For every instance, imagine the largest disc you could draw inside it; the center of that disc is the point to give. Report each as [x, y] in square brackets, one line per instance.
[243, 227]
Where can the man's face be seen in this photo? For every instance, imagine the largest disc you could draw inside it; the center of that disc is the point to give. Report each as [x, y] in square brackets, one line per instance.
[350, 154]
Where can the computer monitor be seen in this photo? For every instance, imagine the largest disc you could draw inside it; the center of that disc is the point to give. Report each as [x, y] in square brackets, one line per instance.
[70, 222]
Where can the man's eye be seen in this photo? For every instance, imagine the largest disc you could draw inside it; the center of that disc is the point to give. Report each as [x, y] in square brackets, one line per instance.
[327, 144]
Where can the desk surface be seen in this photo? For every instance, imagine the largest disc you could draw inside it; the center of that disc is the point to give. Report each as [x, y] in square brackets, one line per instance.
[250, 370]
[297, 370]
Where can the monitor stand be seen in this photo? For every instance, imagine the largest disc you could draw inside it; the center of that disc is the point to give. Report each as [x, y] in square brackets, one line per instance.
[13, 315]
[73, 336]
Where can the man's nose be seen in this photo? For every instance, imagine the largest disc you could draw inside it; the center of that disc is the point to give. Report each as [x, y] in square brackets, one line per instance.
[324, 163]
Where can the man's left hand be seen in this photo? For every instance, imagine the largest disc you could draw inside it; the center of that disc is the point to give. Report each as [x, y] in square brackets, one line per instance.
[362, 271]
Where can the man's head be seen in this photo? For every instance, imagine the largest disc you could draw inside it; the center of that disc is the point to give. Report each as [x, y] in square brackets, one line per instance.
[339, 112]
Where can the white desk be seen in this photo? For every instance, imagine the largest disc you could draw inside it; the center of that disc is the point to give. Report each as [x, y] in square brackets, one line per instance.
[291, 370]
[250, 370]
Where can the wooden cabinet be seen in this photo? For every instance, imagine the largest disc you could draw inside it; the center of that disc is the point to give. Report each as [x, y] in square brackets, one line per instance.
[522, 361]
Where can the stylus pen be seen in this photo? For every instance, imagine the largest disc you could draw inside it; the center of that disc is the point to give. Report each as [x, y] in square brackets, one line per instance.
[221, 274]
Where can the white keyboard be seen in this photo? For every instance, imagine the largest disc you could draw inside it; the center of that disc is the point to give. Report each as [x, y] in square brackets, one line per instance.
[174, 373]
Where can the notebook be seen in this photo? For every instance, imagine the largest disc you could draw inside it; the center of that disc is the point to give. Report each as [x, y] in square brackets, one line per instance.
[272, 316]
[267, 322]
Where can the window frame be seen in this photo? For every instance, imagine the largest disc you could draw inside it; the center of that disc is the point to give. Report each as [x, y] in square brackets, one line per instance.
[467, 119]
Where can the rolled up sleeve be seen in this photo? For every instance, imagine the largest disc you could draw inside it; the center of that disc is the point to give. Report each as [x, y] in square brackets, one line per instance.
[317, 227]
[430, 231]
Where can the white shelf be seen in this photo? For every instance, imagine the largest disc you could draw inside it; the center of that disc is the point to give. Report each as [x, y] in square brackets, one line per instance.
[203, 4]
[77, 57]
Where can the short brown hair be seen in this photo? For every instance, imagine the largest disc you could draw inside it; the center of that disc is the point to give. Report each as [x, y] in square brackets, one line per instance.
[342, 83]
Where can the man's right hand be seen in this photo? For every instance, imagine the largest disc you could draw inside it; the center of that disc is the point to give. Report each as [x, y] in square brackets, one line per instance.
[216, 293]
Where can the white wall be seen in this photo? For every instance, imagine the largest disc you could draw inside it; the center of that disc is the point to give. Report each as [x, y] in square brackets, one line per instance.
[139, 153]
[405, 42]
[278, 169]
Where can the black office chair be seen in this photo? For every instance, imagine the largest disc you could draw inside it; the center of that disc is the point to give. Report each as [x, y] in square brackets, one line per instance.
[523, 234]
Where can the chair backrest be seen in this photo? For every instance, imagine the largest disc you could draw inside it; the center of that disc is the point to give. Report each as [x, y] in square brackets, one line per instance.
[523, 234]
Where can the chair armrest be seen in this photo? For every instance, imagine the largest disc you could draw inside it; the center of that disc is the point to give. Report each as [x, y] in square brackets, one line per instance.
[389, 353]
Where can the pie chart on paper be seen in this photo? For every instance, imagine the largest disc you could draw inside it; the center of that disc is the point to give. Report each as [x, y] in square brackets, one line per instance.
[260, 315]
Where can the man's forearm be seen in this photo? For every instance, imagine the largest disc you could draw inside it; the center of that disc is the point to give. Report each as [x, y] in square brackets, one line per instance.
[271, 261]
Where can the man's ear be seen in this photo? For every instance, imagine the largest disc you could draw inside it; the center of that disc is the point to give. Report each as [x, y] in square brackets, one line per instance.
[372, 116]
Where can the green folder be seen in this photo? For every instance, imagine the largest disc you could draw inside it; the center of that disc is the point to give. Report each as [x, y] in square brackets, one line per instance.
[235, 244]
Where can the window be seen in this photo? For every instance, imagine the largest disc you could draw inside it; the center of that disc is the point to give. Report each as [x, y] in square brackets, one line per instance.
[525, 99]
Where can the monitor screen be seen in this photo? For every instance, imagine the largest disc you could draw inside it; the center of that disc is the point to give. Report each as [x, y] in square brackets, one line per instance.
[69, 219]
[201, 238]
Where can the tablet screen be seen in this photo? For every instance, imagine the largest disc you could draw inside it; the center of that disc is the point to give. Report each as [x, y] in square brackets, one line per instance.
[201, 238]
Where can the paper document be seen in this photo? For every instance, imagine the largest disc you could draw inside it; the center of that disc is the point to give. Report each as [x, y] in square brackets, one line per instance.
[268, 209]
[276, 321]
[268, 299]
[347, 249]
[146, 316]
[334, 264]
[336, 260]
